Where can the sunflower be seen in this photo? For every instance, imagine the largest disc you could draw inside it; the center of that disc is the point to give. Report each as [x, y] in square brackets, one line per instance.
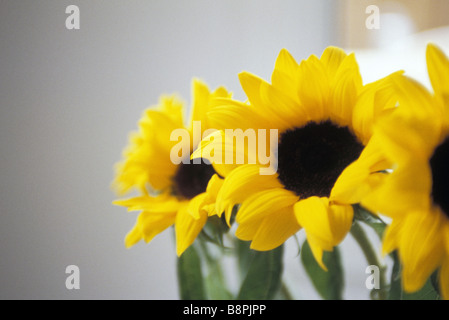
[416, 194]
[327, 156]
[171, 192]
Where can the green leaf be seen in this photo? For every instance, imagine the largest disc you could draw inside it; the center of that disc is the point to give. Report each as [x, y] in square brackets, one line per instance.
[435, 281]
[190, 276]
[244, 257]
[264, 276]
[395, 292]
[215, 283]
[370, 219]
[329, 284]
[427, 292]
[214, 230]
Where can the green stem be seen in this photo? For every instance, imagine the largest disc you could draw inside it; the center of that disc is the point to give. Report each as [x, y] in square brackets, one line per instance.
[372, 258]
[286, 292]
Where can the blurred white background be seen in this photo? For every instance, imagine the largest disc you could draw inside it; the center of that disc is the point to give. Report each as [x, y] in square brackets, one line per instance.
[69, 98]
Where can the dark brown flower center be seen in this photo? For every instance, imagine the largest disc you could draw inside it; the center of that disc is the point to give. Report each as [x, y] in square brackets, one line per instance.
[439, 164]
[191, 179]
[311, 158]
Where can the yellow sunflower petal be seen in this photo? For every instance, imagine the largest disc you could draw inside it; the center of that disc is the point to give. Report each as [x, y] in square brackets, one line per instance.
[167, 114]
[206, 201]
[316, 246]
[263, 203]
[220, 92]
[360, 177]
[391, 237]
[350, 186]
[133, 236]
[438, 69]
[340, 220]
[283, 106]
[312, 214]
[406, 137]
[242, 182]
[346, 87]
[141, 165]
[275, 229]
[279, 110]
[332, 58]
[200, 104]
[213, 188]
[149, 225]
[224, 152]
[196, 204]
[421, 248]
[230, 114]
[415, 102]
[444, 279]
[203, 100]
[374, 99]
[407, 188]
[446, 233]
[247, 231]
[162, 203]
[314, 88]
[187, 229]
[285, 61]
[285, 74]
[251, 86]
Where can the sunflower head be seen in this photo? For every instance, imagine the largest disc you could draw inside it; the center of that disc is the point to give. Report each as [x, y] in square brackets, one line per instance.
[146, 161]
[326, 156]
[415, 195]
[180, 193]
[142, 163]
[310, 158]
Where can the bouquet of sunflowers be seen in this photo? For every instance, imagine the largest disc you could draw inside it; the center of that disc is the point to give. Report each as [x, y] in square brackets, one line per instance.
[312, 151]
